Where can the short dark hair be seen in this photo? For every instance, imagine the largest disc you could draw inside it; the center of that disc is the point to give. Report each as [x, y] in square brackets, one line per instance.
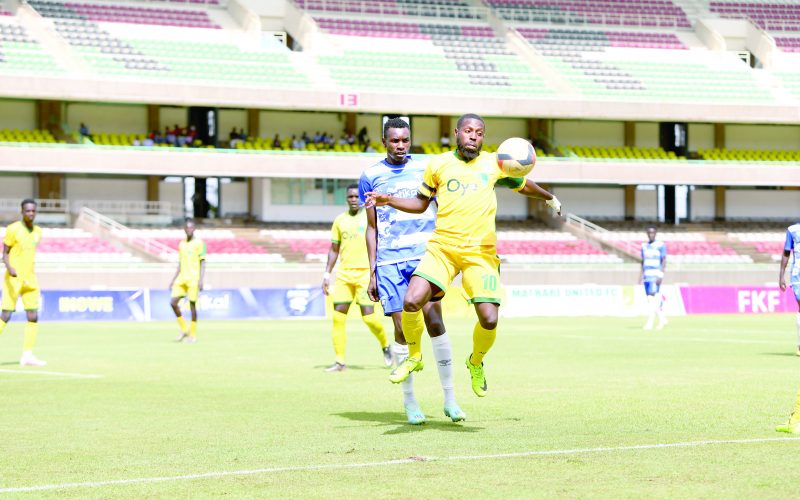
[352, 186]
[651, 226]
[27, 201]
[469, 116]
[395, 123]
[188, 220]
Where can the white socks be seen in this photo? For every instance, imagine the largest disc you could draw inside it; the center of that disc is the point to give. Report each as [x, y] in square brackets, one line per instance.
[797, 322]
[400, 352]
[443, 352]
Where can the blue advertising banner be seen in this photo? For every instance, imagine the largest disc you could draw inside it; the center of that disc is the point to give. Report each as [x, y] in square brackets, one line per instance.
[90, 305]
[148, 304]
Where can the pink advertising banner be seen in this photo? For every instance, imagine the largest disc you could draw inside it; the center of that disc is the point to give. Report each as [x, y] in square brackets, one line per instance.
[737, 299]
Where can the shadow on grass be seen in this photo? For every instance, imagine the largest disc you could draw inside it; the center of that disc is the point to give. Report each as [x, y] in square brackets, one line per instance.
[9, 363]
[356, 367]
[785, 353]
[397, 421]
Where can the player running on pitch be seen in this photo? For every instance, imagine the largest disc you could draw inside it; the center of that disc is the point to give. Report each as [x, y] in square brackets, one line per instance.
[654, 261]
[792, 247]
[19, 255]
[464, 240]
[395, 245]
[188, 280]
[352, 279]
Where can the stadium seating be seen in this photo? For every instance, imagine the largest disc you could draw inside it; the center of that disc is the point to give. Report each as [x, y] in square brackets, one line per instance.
[415, 8]
[20, 53]
[650, 13]
[222, 245]
[596, 39]
[617, 152]
[767, 243]
[67, 245]
[716, 154]
[35, 135]
[686, 247]
[774, 15]
[120, 13]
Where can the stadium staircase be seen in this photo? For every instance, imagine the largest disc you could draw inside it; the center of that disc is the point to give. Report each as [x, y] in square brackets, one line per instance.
[741, 248]
[50, 40]
[108, 229]
[598, 236]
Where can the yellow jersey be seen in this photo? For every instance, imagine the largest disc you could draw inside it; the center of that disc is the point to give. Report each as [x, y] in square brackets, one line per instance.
[191, 253]
[22, 243]
[465, 197]
[348, 231]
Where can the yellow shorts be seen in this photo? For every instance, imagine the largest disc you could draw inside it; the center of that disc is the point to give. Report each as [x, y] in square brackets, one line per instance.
[13, 288]
[186, 288]
[351, 284]
[479, 267]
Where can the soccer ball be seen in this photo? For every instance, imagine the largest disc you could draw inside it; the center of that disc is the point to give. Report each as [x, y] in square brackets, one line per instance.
[516, 157]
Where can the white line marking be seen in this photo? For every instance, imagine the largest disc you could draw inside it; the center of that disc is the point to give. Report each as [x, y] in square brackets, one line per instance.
[402, 461]
[660, 338]
[58, 374]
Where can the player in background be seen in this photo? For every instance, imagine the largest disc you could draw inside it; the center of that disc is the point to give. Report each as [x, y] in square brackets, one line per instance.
[188, 279]
[352, 279]
[395, 245]
[792, 247]
[654, 261]
[464, 240]
[19, 255]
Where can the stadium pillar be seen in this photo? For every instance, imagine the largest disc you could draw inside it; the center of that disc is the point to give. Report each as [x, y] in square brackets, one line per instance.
[350, 123]
[630, 134]
[250, 198]
[630, 202]
[205, 122]
[719, 135]
[152, 187]
[445, 127]
[199, 200]
[539, 132]
[673, 137]
[719, 202]
[49, 115]
[153, 117]
[253, 123]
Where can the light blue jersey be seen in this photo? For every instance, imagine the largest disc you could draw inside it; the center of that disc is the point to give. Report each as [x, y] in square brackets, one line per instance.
[793, 245]
[401, 236]
[652, 258]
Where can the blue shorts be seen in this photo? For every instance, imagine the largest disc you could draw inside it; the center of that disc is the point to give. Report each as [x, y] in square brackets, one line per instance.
[651, 287]
[393, 282]
[796, 290]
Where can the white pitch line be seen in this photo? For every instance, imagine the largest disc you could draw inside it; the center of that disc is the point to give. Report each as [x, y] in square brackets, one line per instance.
[402, 461]
[660, 338]
[57, 374]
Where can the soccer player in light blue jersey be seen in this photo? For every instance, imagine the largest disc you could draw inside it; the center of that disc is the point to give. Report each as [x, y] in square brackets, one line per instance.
[395, 244]
[654, 261]
[792, 247]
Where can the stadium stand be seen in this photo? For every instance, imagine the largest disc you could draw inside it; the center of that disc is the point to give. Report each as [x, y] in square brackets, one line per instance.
[222, 245]
[769, 244]
[629, 13]
[620, 152]
[68, 245]
[21, 53]
[118, 13]
[718, 154]
[35, 135]
[684, 247]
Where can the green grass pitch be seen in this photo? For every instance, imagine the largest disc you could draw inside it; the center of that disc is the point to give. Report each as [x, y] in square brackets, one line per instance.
[248, 412]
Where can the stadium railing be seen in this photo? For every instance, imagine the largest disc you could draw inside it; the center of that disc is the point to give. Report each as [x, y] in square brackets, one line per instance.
[107, 227]
[600, 235]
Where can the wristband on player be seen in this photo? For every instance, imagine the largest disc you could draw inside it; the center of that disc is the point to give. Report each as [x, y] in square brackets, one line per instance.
[326, 275]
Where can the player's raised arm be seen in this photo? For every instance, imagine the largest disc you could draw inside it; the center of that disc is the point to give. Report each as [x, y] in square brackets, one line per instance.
[371, 235]
[787, 251]
[533, 190]
[411, 205]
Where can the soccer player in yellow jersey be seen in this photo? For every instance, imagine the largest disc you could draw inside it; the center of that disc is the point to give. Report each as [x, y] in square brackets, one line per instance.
[464, 240]
[188, 279]
[19, 254]
[352, 279]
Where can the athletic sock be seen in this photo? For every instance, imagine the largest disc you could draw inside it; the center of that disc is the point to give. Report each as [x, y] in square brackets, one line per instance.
[443, 352]
[413, 325]
[400, 352]
[375, 325]
[796, 322]
[339, 335]
[29, 336]
[181, 324]
[193, 329]
[482, 340]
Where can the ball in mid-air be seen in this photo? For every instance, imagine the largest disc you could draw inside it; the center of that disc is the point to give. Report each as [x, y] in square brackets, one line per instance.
[516, 157]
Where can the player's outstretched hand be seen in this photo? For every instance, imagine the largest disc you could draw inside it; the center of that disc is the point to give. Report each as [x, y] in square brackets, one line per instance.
[554, 204]
[374, 199]
[372, 288]
[326, 282]
[11, 271]
[782, 283]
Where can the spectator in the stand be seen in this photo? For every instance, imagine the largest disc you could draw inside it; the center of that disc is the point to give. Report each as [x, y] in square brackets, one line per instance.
[330, 140]
[170, 135]
[84, 131]
[317, 137]
[351, 139]
[343, 140]
[295, 142]
[276, 142]
[233, 138]
[444, 140]
[242, 134]
[305, 137]
[191, 135]
[155, 138]
[362, 136]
